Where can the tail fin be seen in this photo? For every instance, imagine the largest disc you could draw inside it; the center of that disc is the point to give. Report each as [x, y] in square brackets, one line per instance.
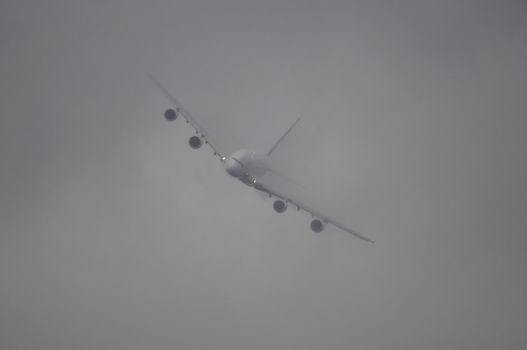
[283, 137]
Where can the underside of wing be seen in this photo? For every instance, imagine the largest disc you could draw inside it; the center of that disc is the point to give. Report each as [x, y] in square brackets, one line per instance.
[316, 225]
[179, 110]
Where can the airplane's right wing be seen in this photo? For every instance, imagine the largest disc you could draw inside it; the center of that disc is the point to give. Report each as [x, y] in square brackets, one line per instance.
[179, 110]
[288, 199]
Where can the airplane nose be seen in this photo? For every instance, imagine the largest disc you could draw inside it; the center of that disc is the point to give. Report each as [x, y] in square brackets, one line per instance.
[233, 168]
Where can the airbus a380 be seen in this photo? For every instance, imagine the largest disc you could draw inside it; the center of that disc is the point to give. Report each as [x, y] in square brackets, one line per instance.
[249, 166]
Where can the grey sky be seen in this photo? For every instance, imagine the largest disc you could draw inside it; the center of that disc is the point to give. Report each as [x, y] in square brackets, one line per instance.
[116, 235]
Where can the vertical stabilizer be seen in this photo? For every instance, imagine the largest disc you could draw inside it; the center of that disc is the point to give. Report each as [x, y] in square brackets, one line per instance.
[283, 137]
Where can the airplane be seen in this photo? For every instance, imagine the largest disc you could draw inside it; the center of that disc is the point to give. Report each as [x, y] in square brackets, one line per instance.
[249, 166]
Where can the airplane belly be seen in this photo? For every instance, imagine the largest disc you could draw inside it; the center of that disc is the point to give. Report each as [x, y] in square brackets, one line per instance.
[257, 165]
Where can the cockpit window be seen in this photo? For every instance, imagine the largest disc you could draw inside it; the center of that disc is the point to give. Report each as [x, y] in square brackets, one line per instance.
[237, 161]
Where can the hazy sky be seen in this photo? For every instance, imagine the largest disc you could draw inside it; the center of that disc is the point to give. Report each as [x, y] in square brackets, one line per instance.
[114, 234]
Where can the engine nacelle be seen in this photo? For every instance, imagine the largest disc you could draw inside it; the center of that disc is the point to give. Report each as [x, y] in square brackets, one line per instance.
[317, 225]
[171, 115]
[279, 206]
[195, 142]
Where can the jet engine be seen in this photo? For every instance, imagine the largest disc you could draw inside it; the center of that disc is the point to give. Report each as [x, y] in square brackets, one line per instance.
[279, 206]
[317, 225]
[170, 115]
[195, 142]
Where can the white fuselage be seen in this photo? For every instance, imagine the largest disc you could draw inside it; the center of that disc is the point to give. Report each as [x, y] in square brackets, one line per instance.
[246, 165]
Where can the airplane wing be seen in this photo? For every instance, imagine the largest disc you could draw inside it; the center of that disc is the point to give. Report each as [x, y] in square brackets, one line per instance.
[276, 193]
[188, 118]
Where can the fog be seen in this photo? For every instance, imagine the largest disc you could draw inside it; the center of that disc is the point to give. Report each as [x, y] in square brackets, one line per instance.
[115, 234]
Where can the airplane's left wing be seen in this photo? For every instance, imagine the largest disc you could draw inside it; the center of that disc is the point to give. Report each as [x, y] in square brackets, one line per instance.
[276, 193]
[179, 110]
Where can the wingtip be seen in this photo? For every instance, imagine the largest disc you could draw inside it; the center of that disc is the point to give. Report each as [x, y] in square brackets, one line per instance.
[151, 77]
